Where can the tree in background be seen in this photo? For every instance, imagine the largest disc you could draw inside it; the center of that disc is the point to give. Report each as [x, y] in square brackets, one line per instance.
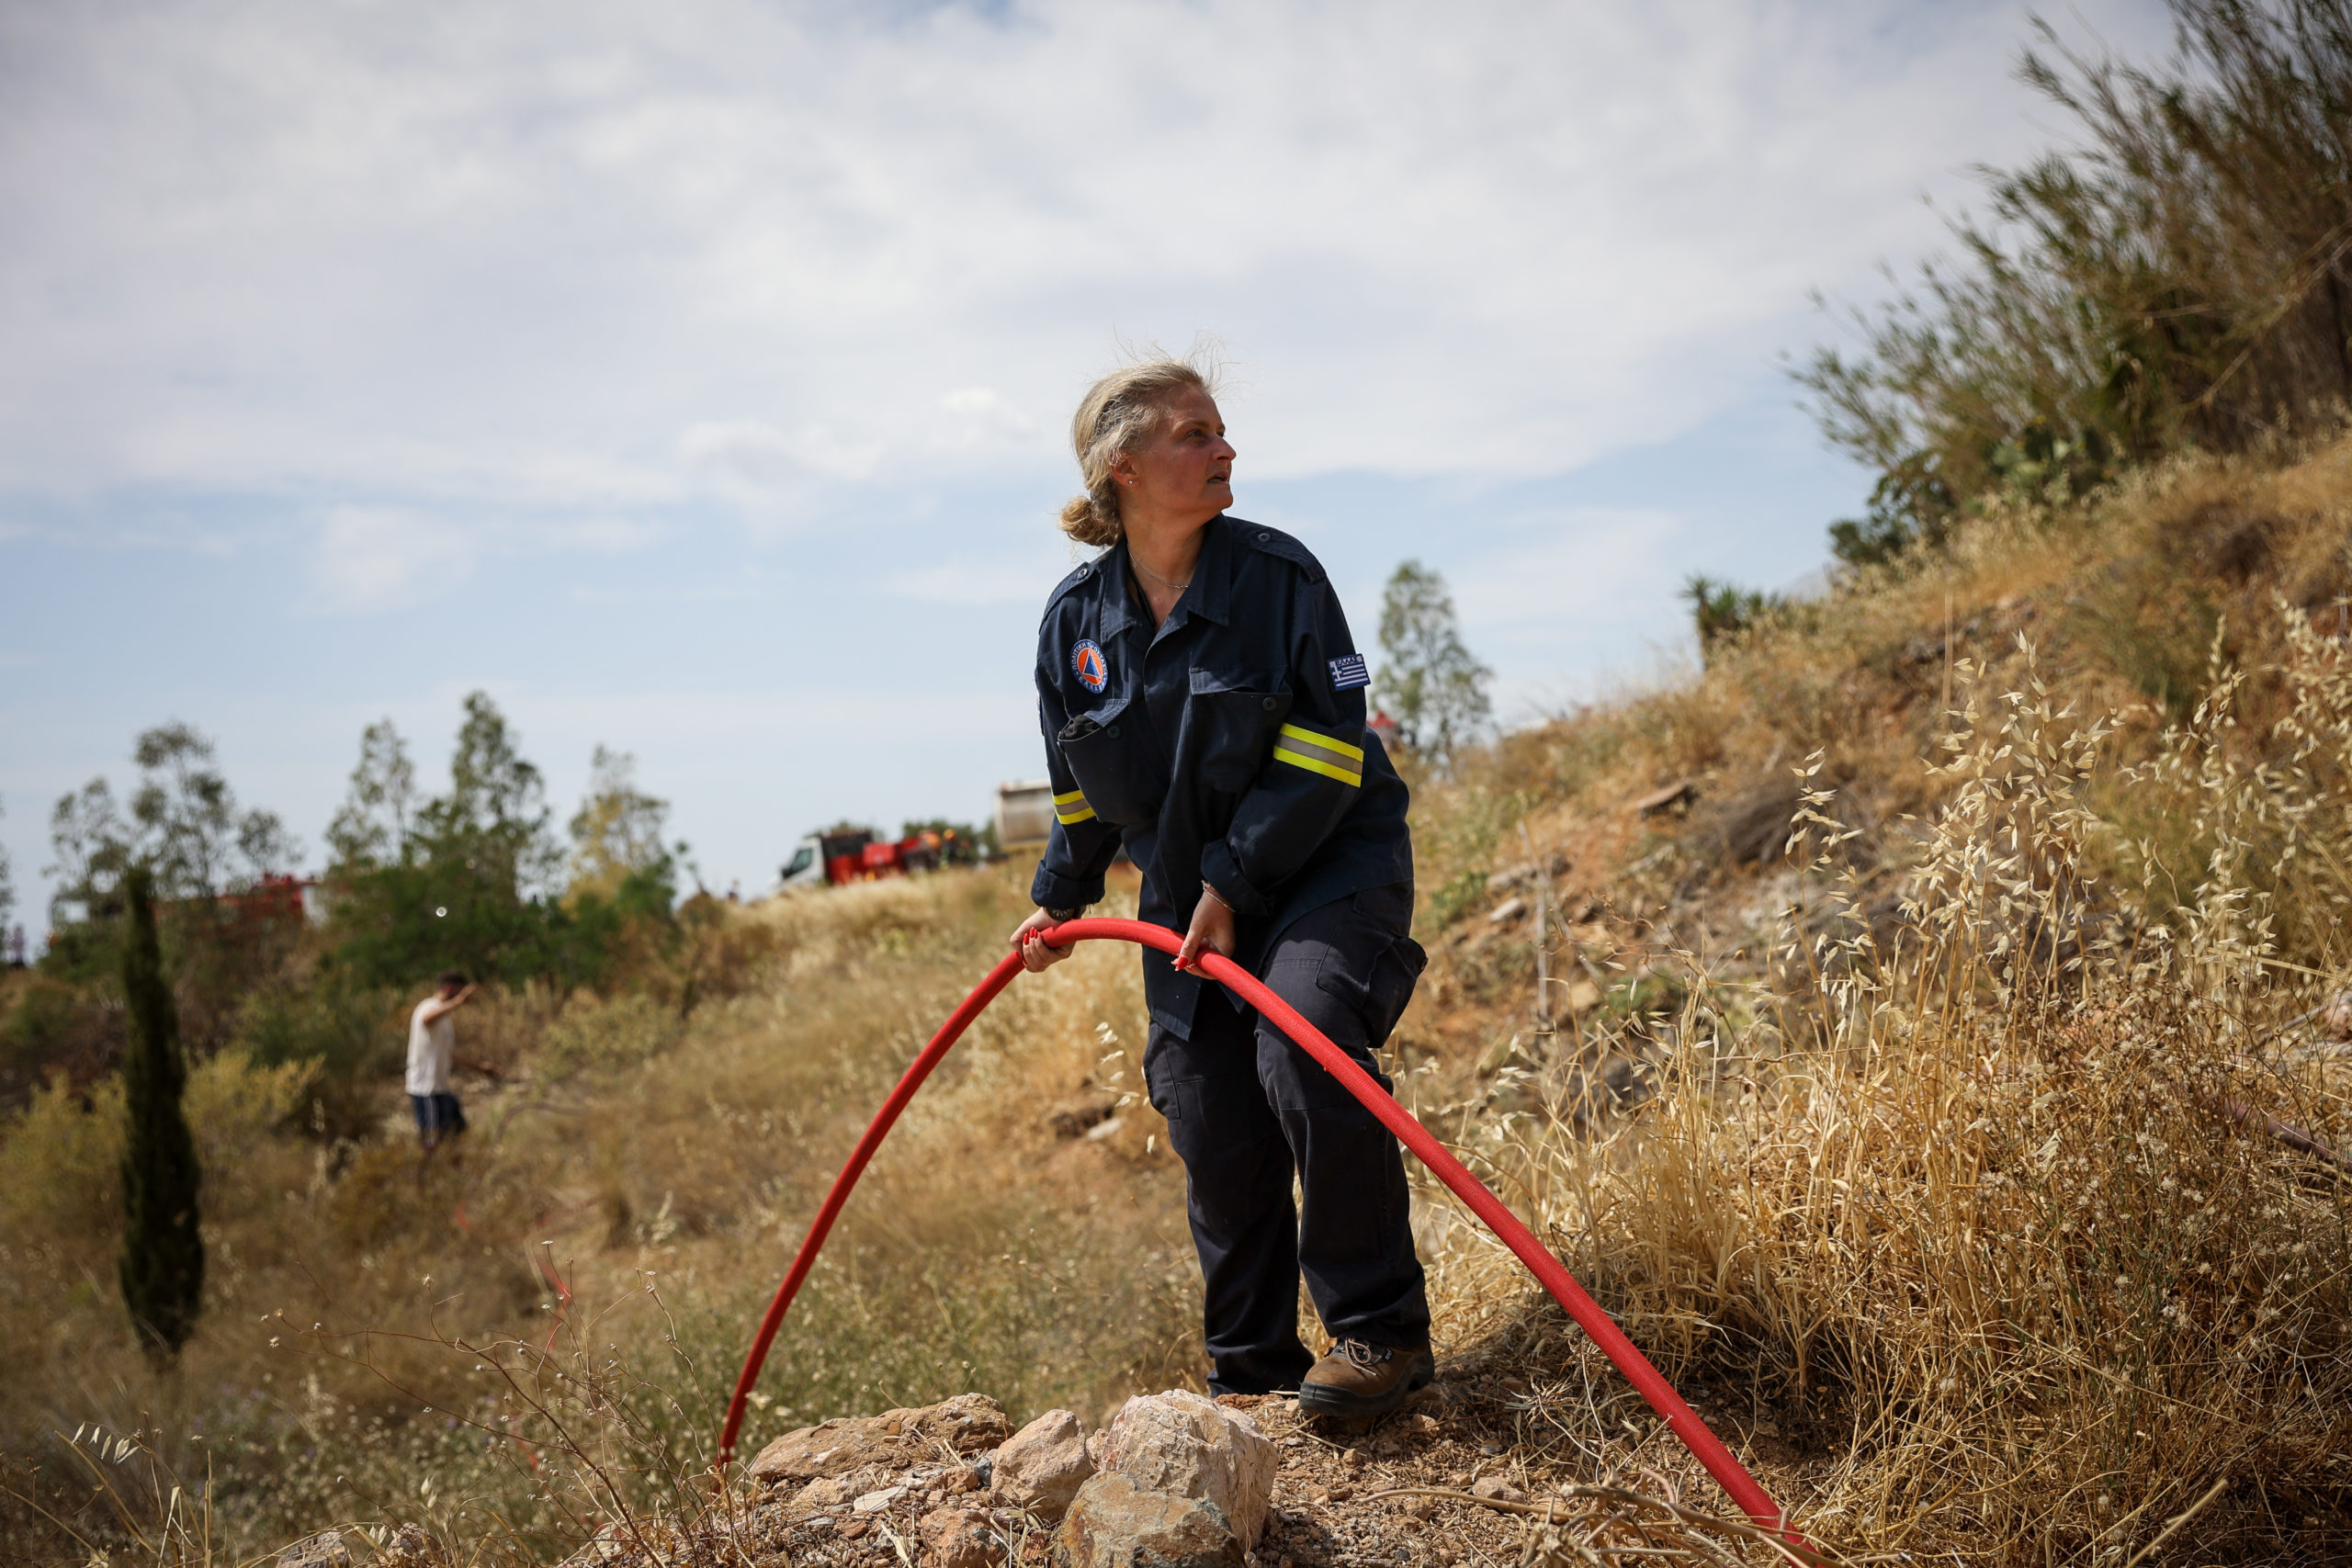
[8, 886]
[474, 879]
[616, 832]
[2181, 278]
[372, 826]
[161, 1268]
[456, 881]
[184, 827]
[91, 843]
[495, 817]
[189, 829]
[1428, 681]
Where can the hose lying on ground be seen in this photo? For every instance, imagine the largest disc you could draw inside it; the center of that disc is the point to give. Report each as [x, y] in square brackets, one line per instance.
[1704, 1444]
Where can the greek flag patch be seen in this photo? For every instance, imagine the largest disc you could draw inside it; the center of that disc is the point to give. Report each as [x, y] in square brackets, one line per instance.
[1348, 673]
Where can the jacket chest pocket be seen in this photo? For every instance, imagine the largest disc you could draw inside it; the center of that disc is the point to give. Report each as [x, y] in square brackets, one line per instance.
[1229, 729]
[1106, 751]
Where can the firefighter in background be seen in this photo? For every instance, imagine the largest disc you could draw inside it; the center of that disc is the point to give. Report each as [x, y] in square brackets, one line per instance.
[1203, 702]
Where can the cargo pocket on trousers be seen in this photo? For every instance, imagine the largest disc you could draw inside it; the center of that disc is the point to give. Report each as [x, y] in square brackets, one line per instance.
[1379, 998]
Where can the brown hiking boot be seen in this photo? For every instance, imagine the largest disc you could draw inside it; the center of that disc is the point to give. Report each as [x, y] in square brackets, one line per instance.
[1357, 1381]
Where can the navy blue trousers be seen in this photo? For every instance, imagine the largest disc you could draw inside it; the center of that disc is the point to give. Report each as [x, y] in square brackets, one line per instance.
[1247, 1110]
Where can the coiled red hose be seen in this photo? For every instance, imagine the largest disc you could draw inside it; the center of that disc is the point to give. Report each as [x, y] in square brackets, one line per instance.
[1703, 1443]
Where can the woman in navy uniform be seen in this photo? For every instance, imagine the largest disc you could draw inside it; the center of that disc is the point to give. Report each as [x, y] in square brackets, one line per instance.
[1202, 702]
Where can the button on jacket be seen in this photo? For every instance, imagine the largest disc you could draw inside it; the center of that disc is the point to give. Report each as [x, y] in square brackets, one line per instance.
[1227, 745]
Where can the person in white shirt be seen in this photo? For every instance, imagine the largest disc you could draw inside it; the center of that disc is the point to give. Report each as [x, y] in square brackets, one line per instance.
[432, 1052]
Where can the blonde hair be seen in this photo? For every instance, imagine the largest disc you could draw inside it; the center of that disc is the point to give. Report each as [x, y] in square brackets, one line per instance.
[1116, 412]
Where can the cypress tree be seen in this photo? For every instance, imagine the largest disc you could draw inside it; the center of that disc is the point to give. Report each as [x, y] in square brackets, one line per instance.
[162, 1268]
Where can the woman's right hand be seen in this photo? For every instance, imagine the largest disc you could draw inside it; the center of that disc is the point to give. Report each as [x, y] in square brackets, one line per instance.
[1036, 954]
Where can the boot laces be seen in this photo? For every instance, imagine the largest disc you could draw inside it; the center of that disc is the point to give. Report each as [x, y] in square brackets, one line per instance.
[1360, 1354]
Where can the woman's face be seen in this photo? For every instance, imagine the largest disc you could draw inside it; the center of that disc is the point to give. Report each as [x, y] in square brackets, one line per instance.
[1185, 471]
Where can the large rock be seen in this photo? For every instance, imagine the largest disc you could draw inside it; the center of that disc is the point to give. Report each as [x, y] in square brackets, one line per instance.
[1116, 1524]
[959, 1538]
[1042, 1466]
[1185, 1446]
[896, 1439]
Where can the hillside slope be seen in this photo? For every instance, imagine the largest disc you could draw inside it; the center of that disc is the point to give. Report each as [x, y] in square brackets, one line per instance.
[1929, 1148]
[1928, 1136]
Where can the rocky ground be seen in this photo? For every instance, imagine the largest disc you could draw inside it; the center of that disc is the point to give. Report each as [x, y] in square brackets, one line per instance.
[1174, 1480]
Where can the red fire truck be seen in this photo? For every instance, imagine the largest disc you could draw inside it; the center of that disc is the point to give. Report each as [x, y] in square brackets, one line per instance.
[854, 854]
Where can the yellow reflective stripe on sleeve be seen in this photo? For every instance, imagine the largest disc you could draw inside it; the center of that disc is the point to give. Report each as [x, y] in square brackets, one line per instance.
[1320, 754]
[1351, 753]
[1071, 809]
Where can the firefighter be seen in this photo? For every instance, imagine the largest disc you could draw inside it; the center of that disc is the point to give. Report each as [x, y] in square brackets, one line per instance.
[1203, 704]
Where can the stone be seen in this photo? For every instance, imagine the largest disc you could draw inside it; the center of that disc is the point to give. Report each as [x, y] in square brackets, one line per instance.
[1114, 1523]
[1183, 1445]
[1666, 797]
[1040, 1467]
[324, 1550]
[1496, 1489]
[897, 1439]
[410, 1548]
[831, 1492]
[958, 1538]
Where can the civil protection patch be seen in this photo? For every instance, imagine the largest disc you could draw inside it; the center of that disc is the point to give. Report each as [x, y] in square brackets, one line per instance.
[1348, 673]
[1093, 671]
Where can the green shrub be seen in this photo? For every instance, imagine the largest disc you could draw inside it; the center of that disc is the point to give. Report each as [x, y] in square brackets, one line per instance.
[348, 1039]
[2176, 281]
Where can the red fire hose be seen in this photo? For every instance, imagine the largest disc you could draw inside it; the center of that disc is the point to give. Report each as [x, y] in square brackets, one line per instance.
[1703, 1443]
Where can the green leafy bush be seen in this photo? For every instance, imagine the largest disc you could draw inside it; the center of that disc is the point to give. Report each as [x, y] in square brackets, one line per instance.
[2176, 280]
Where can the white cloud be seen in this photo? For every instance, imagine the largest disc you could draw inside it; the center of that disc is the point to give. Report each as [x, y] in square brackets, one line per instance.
[496, 290]
[971, 583]
[371, 559]
[753, 454]
[981, 416]
[509, 257]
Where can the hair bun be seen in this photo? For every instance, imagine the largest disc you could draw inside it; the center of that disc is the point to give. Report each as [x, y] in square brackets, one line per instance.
[1084, 520]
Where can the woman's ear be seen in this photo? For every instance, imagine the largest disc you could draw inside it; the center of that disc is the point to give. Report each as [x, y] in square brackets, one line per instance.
[1123, 470]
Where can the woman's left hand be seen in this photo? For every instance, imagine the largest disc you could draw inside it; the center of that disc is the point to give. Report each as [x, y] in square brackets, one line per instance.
[1212, 929]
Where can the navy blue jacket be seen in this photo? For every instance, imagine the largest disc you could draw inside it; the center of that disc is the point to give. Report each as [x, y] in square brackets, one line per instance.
[1229, 746]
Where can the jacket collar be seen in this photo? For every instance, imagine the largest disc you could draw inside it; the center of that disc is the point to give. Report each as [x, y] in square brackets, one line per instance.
[1210, 596]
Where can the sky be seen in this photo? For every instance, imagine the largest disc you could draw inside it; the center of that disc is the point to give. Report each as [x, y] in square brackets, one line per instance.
[695, 378]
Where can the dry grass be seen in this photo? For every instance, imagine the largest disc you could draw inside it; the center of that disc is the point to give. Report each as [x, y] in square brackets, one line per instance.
[1929, 1155]
[661, 1171]
[1947, 1184]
